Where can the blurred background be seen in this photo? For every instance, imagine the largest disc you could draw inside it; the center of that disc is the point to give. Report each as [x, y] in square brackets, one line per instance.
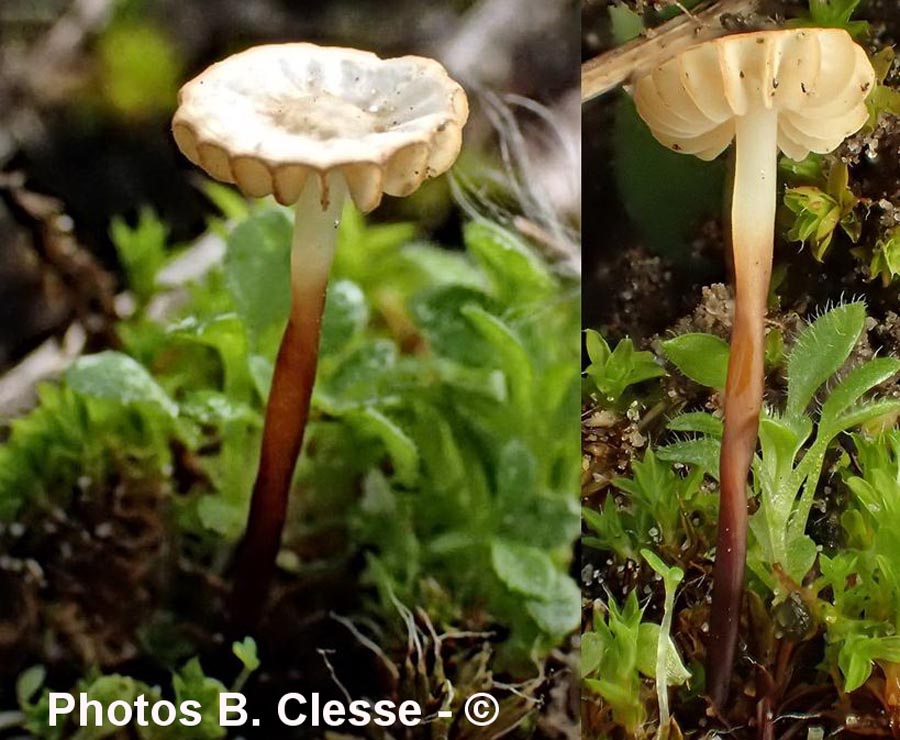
[87, 89]
[106, 564]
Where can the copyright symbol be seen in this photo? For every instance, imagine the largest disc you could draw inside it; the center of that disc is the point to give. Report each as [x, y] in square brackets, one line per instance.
[481, 709]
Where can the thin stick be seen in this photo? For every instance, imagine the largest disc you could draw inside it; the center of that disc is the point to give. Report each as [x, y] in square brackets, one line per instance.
[636, 58]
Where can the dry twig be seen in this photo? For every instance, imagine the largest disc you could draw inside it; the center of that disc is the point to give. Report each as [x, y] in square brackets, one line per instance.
[634, 59]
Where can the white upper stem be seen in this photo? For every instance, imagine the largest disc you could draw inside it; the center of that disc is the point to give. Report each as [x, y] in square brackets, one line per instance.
[315, 234]
[753, 206]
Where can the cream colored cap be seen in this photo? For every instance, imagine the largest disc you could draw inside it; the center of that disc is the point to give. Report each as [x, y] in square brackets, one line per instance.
[269, 117]
[816, 78]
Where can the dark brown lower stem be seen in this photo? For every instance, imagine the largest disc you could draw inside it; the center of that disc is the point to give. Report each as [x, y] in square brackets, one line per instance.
[285, 422]
[743, 400]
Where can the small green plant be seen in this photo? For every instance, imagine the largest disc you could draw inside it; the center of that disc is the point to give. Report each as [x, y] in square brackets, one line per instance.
[847, 593]
[189, 683]
[835, 14]
[883, 99]
[885, 260]
[656, 502]
[73, 436]
[142, 251]
[860, 583]
[613, 371]
[794, 443]
[818, 198]
[621, 649]
[612, 661]
[665, 654]
[440, 436]
[818, 211]
[613, 530]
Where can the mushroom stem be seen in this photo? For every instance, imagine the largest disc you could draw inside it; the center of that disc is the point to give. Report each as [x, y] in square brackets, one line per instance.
[318, 214]
[753, 225]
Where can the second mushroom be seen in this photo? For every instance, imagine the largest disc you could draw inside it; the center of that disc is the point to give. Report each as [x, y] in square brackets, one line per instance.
[800, 91]
[311, 125]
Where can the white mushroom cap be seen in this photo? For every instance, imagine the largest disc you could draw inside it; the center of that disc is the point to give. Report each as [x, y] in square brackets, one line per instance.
[270, 116]
[817, 79]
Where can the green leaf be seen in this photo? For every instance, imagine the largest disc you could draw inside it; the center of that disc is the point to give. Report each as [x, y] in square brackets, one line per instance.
[858, 653]
[365, 252]
[227, 199]
[885, 259]
[654, 487]
[627, 708]
[702, 452]
[245, 651]
[361, 377]
[699, 422]
[221, 515]
[866, 413]
[419, 264]
[544, 520]
[701, 357]
[614, 372]
[609, 527]
[780, 439]
[856, 669]
[138, 68]
[29, 683]
[807, 171]
[213, 409]
[399, 446]
[345, 316]
[597, 348]
[672, 575]
[820, 351]
[817, 216]
[225, 334]
[858, 382]
[836, 14]
[524, 569]
[141, 250]
[625, 23]
[801, 556]
[523, 510]
[516, 273]
[818, 213]
[258, 269]
[883, 100]
[516, 472]
[648, 641]
[438, 313]
[774, 349]
[261, 371]
[508, 346]
[105, 690]
[191, 683]
[558, 612]
[117, 377]
[592, 649]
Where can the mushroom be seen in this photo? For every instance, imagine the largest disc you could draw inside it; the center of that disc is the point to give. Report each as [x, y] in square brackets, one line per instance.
[310, 125]
[797, 90]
